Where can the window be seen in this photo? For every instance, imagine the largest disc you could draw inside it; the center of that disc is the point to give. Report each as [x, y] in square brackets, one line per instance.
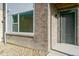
[23, 22]
[15, 23]
[26, 22]
[68, 27]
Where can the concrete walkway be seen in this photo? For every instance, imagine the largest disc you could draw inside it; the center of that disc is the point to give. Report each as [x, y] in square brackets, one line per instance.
[14, 50]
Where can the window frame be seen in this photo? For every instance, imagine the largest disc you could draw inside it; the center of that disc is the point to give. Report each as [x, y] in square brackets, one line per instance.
[21, 33]
[66, 49]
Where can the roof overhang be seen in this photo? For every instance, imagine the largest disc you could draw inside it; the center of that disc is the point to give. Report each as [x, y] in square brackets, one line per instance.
[64, 5]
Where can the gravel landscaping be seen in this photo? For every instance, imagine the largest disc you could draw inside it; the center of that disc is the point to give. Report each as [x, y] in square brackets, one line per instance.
[14, 50]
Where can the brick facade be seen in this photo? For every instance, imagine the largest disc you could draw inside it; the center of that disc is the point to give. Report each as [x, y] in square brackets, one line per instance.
[41, 17]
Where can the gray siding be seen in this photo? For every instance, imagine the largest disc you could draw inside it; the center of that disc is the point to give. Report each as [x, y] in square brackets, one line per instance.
[1, 19]
[1, 6]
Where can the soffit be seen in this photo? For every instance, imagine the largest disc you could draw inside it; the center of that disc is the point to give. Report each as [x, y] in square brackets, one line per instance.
[65, 5]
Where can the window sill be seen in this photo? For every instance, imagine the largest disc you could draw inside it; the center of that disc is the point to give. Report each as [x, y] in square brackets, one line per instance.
[66, 49]
[20, 34]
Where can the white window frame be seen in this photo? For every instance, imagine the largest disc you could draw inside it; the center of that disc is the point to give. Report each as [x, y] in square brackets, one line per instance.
[23, 33]
[63, 48]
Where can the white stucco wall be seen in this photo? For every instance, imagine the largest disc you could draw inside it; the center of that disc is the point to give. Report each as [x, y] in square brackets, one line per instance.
[14, 8]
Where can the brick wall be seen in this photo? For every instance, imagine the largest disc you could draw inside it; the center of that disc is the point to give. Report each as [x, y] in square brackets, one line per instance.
[41, 17]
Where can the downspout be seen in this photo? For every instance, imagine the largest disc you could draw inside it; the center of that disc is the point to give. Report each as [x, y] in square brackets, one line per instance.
[4, 26]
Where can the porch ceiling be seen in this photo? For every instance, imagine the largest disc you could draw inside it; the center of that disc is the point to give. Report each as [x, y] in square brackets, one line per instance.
[65, 5]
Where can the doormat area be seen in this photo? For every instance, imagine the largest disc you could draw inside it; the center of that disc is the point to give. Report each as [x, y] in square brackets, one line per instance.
[14, 50]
